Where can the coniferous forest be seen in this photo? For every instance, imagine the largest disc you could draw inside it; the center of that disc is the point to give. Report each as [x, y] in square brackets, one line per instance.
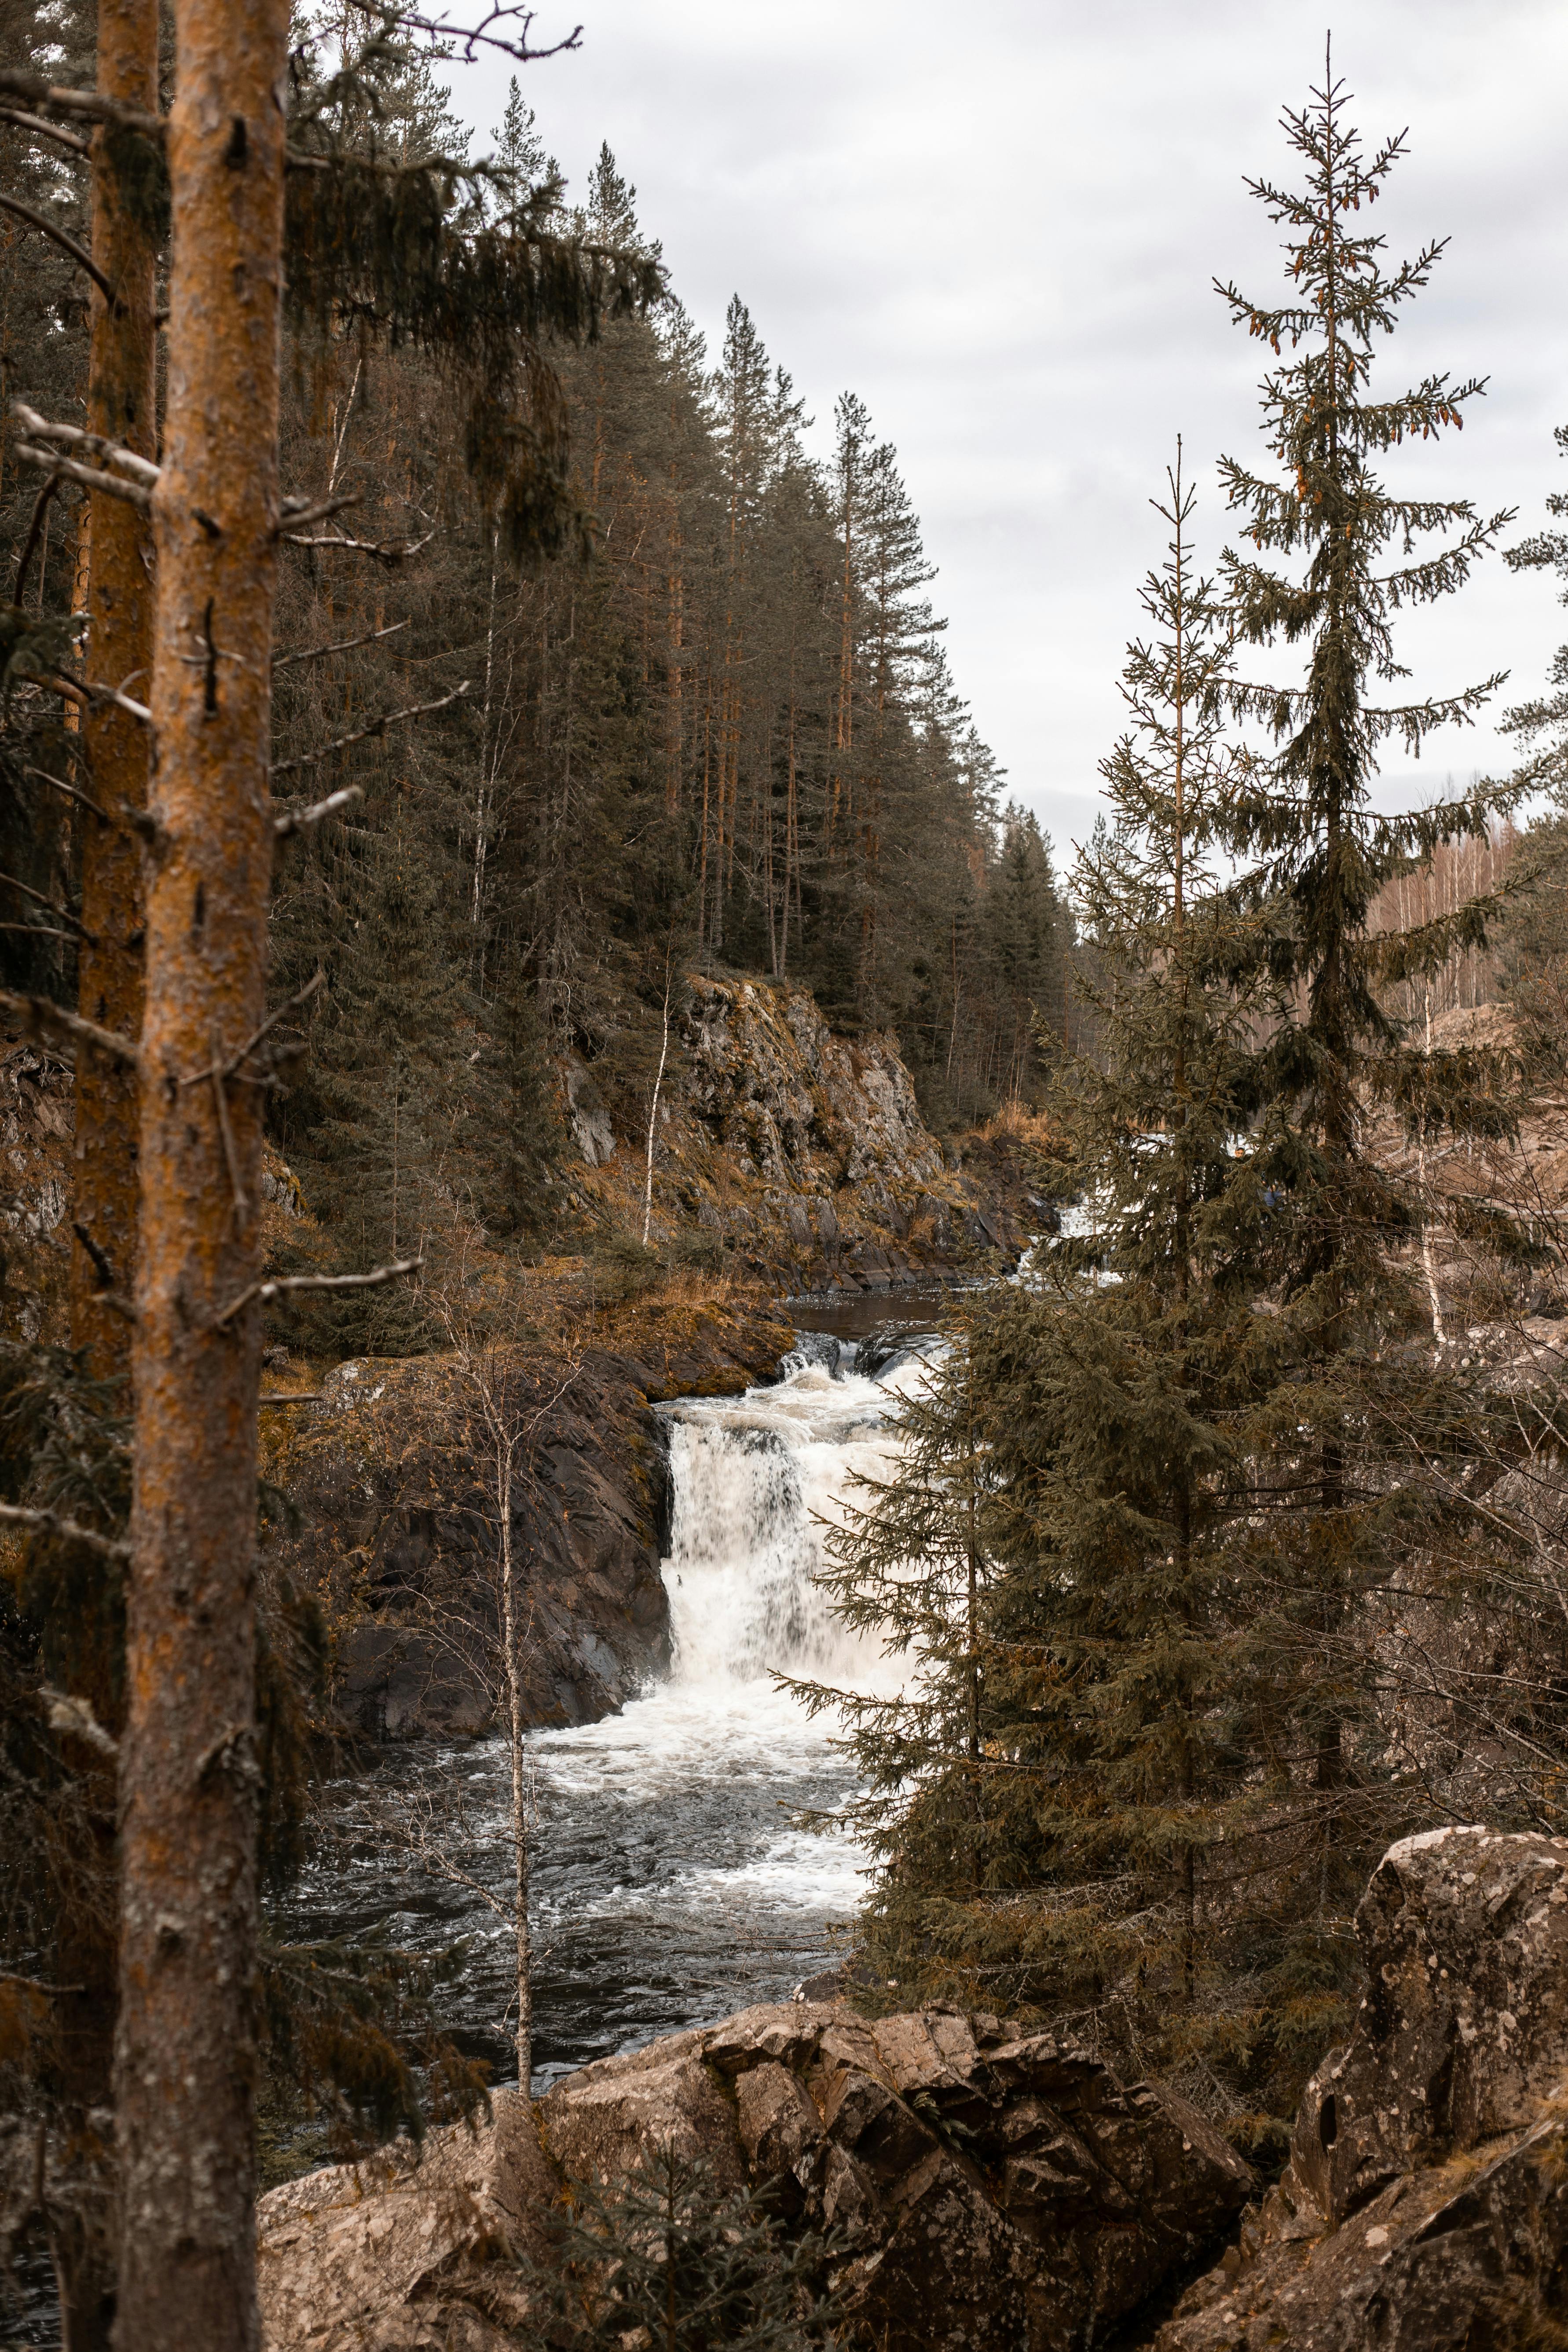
[439, 691]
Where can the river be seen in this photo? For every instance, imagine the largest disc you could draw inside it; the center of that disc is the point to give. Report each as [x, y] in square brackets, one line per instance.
[670, 1881]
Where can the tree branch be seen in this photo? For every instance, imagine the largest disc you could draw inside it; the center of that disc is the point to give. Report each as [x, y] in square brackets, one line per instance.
[265, 1292]
[363, 734]
[86, 105]
[388, 15]
[343, 646]
[40, 1014]
[91, 445]
[88, 477]
[52, 1524]
[79, 253]
[305, 820]
[382, 550]
[39, 900]
[36, 123]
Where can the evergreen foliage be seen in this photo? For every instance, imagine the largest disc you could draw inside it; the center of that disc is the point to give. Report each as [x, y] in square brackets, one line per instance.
[1223, 1486]
[667, 2257]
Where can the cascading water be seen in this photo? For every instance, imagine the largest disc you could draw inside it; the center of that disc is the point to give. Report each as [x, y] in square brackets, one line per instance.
[669, 1884]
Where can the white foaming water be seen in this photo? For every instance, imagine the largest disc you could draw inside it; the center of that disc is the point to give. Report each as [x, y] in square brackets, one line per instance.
[671, 1883]
[674, 1884]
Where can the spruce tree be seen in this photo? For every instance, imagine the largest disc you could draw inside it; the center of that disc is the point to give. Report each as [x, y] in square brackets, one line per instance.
[1046, 1792]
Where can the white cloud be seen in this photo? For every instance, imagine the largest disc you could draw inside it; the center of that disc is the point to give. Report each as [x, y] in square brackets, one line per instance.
[998, 225]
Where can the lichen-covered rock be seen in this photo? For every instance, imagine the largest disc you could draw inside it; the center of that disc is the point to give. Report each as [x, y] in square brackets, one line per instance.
[1425, 2205]
[406, 2252]
[987, 2188]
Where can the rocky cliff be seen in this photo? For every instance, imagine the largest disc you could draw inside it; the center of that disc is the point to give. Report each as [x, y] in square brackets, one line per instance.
[803, 1152]
[1425, 2206]
[989, 2188]
[1003, 2192]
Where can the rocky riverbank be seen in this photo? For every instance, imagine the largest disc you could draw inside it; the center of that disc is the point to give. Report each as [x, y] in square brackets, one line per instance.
[1001, 2189]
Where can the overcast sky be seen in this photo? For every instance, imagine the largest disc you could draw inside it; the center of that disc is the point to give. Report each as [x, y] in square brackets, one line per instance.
[998, 224]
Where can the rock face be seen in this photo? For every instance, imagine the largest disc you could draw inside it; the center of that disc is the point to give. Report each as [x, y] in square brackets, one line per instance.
[803, 1151]
[398, 1529]
[992, 2188]
[1425, 2202]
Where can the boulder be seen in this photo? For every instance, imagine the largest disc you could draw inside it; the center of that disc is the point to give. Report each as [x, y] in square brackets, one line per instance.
[399, 2252]
[987, 2185]
[1425, 2204]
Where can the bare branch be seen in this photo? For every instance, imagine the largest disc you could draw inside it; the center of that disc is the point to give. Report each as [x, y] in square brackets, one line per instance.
[89, 691]
[304, 820]
[298, 510]
[287, 1396]
[75, 791]
[225, 1129]
[88, 477]
[301, 996]
[438, 28]
[90, 444]
[40, 1015]
[74, 1717]
[287, 1284]
[343, 646]
[67, 244]
[383, 550]
[39, 900]
[83, 105]
[363, 734]
[52, 1524]
[35, 123]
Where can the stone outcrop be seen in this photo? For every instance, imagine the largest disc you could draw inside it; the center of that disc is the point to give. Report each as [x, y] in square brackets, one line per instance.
[989, 2188]
[1425, 2206]
[803, 1152]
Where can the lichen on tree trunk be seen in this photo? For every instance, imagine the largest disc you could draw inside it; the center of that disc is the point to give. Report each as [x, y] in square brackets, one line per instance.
[186, 2050]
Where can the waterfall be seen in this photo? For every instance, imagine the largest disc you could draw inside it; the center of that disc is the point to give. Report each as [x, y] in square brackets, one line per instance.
[755, 1478]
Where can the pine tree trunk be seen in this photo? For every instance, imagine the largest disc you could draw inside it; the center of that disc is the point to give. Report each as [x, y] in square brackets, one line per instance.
[122, 401]
[186, 2047]
[114, 589]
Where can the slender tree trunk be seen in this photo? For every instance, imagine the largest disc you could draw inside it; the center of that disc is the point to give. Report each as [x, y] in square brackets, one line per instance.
[186, 2045]
[511, 1633]
[114, 591]
[653, 1111]
[121, 405]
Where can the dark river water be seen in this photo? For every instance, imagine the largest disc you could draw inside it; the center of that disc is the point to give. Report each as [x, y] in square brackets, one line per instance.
[671, 1883]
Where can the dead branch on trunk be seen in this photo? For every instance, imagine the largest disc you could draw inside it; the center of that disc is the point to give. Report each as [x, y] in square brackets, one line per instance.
[290, 1284]
[66, 242]
[90, 444]
[83, 105]
[304, 820]
[51, 1523]
[366, 734]
[39, 1014]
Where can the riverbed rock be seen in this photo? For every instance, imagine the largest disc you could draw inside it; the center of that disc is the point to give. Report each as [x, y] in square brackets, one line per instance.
[1425, 2206]
[990, 2187]
[409, 2252]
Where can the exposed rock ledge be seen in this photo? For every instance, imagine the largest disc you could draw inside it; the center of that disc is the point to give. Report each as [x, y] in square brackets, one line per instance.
[1004, 2191]
[994, 2189]
[1425, 2207]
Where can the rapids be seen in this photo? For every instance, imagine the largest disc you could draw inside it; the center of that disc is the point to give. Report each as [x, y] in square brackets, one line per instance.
[669, 1884]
